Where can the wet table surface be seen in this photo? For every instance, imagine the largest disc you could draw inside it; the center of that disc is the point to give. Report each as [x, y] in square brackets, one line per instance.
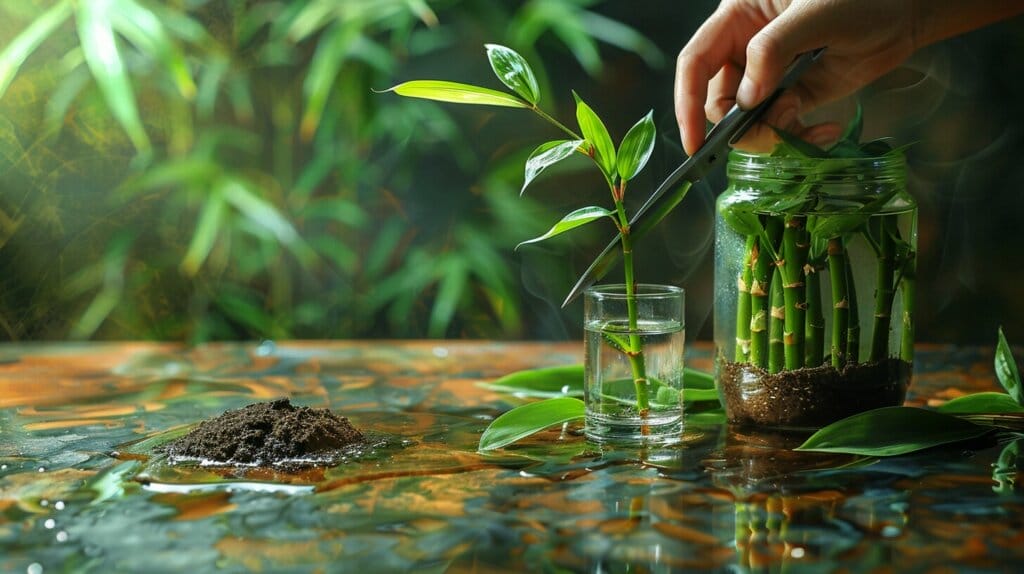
[74, 498]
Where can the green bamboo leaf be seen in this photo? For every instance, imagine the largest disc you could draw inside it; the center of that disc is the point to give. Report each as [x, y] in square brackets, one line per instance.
[513, 71]
[422, 11]
[15, 54]
[546, 155]
[853, 129]
[891, 431]
[454, 92]
[740, 220]
[567, 380]
[144, 29]
[449, 295]
[793, 144]
[528, 419]
[259, 211]
[331, 51]
[837, 225]
[982, 403]
[698, 395]
[205, 235]
[1006, 369]
[636, 147]
[546, 382]
[694, 379]
[581, 216]
[101, 54]
[846, 149]
[875, 148]
[597, 136]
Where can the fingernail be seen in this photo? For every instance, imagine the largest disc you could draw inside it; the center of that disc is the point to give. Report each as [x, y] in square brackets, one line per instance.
[746, 95]
[786, 119]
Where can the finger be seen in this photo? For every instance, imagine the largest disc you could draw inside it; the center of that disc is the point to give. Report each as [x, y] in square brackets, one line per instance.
[796, 30]
[722, 92]
[784, 114]
[714, 45]
[822, 135]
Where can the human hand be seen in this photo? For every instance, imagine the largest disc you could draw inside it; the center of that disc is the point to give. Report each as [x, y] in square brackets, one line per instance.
[741, 52]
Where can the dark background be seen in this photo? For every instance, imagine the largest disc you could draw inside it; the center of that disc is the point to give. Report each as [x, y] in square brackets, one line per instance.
[410, 208]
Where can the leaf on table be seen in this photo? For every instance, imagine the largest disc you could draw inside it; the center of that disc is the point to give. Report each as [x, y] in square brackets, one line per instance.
[528, 419]
[546, 382]
[546, 155]
[456, 93]
[891, 431]
[513, 71]
[581, 216]
[982, 403]
[1006, 369]
[567, 380]
[636, 147]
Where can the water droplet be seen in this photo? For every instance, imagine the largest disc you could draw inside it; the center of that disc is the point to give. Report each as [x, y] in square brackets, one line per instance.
[44, 503]
[3, 467]
[49, 524]
[440, 352]
[35, 568]
[797, 552]
[565, 389]
[266, 348]
[42, 469]
[59, 505]
[62, 536]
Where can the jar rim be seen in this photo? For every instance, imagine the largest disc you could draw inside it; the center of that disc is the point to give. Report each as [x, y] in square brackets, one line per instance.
[887, 166]
[617, 291]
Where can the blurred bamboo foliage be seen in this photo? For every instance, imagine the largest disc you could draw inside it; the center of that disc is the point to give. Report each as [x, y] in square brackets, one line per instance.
[221, 169]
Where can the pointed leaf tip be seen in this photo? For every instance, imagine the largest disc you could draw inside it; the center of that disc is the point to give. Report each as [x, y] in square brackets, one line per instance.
[596, 134]
[456, 93]
[1006, 369]
[636, 147]
[546, 155]
[513, 71]
[580, 217]
[528, 419]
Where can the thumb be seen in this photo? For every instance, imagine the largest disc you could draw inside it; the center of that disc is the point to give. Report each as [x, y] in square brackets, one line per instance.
[796, 30]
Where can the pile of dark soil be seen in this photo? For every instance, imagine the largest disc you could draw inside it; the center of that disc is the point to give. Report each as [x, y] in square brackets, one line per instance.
[264, 434]
[810, 397]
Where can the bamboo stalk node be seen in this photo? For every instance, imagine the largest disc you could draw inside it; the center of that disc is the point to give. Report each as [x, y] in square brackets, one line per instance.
[779, 312]
[844, 304]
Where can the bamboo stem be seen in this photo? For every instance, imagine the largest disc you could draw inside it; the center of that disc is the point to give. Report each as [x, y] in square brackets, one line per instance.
[815, 350]
[759, 300]
[794, 256]
[837, 269]
[884, 293]
[853, 331]
[776, 346]
[636, 352]
[743, 302]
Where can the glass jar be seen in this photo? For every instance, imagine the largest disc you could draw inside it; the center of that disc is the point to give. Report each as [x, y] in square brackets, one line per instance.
[815, 263]
[633, 357]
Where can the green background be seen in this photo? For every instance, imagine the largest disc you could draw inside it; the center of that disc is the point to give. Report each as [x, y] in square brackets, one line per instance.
[280, 197]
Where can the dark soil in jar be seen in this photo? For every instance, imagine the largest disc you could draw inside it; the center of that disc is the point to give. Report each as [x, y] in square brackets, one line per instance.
[274, 433]
[810, 397]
